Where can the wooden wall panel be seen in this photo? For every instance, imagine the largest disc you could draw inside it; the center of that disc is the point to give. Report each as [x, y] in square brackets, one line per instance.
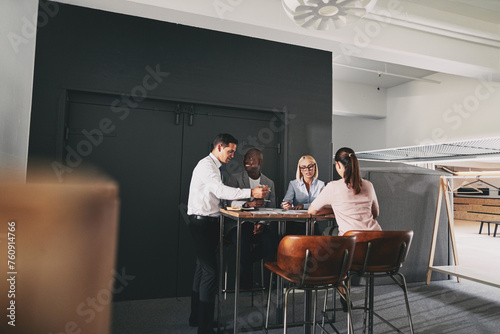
[476, 209]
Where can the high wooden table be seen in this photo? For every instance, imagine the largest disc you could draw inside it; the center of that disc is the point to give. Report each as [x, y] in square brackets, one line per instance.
[264, 214]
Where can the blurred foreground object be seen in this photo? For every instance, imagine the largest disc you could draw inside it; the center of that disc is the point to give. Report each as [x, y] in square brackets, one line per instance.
[57, 256]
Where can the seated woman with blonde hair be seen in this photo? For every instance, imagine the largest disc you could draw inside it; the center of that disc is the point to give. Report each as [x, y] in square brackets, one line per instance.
[302, 191]
[351, 199]
[306, 186]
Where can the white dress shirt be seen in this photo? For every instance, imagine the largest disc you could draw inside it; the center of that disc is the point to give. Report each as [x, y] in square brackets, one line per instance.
[206, 189]
[253, 183]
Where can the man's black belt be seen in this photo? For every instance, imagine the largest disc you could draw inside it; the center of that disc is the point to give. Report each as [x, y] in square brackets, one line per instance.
[206, 218]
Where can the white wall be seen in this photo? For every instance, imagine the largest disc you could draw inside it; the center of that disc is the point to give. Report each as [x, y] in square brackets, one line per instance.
[359, 100]
[457, 109]
[358, 133]
[18, 21]
[415, 113]
[359, 116]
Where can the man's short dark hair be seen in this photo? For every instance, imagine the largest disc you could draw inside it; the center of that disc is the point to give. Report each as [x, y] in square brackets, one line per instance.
[225, 139]
[257, 151]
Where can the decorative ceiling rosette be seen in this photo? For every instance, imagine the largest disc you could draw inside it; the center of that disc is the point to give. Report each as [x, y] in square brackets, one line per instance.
[326, 14]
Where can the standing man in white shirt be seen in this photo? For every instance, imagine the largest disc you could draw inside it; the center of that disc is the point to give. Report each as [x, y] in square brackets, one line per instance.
[205, 193]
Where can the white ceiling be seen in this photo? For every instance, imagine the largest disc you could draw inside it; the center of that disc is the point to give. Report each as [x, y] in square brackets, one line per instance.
[376, 73]
[464, 11]
[484, 10]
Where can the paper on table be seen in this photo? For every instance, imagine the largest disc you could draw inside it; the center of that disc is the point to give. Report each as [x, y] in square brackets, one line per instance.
[278, 212]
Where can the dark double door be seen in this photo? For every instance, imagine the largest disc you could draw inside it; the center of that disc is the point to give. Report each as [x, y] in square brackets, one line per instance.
[150, 148]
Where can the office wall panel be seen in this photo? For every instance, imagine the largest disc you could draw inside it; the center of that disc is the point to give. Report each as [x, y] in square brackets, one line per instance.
[138, 60]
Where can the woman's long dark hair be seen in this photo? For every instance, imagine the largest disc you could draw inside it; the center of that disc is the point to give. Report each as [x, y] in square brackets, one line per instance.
[352, 176]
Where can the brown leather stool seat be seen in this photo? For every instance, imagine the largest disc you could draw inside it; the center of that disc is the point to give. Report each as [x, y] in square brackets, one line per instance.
[380, 254]
[312, 263]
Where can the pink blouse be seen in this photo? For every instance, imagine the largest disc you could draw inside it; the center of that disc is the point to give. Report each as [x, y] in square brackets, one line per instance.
[352, 212]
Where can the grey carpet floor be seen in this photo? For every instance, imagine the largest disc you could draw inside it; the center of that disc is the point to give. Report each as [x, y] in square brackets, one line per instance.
[440, 307]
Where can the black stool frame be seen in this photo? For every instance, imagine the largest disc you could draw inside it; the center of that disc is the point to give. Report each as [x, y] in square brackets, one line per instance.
[369, 289]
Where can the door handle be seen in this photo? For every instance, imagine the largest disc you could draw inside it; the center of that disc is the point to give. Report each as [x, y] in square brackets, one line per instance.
[178, 114]
[191, 115]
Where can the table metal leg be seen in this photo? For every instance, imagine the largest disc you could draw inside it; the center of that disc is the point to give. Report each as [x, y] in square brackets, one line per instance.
[279, 280]
[237, 277]
[221, 265]
[308, 293]
[307, 311]
[370, 304]
[279, 299]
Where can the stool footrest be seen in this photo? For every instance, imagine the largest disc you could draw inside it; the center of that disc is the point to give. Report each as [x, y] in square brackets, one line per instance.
[245, 290]
[387, 322]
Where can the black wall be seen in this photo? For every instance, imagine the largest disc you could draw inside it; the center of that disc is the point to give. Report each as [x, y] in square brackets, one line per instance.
[93, 50]
[87, 50]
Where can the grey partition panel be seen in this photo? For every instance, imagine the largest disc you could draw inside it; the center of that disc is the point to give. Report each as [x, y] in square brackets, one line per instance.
[408, 197]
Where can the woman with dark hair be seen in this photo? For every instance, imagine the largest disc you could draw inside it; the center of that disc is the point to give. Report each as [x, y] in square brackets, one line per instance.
[352, 199]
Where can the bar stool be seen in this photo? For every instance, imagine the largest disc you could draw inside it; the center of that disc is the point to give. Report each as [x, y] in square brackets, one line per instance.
[380, 254]
[312, 263]
[259, 287]
[256, 288]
